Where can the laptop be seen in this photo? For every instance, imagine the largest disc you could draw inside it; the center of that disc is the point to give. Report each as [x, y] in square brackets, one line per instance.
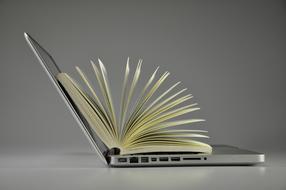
[221, 154]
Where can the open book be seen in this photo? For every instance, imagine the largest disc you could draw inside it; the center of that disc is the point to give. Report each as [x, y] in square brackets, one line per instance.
[149, 126]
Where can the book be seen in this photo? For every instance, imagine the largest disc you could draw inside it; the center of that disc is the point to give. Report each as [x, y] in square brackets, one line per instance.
[150, 125]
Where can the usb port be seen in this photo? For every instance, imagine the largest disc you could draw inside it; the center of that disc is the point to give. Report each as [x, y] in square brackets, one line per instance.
[153, 159]
[176, 159]
[163, 159]
[133, 160]
[122, 159]
[144, 159]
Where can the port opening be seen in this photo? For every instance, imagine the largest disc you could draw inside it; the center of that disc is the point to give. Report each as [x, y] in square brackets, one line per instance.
[191, 158]
[163, 159]
[153, 159]
[133, 160]
[144, 159]
[122, 159]
[175, 159]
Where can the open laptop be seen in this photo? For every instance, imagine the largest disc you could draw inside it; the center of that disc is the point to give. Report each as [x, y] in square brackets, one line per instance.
[221, 155]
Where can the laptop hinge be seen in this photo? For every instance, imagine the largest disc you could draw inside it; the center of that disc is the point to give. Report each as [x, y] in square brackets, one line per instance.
[111, 152]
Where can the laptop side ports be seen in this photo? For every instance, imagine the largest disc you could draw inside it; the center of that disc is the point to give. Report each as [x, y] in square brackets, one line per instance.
[175, 159]
[144, 159]
[122, 160]
[163, 159]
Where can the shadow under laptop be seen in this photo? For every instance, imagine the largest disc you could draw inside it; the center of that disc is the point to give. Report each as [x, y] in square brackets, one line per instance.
[85, 169]
[186, 177]
[51, 159]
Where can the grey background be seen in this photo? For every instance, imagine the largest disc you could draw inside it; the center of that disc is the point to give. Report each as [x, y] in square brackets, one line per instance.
[229, 54]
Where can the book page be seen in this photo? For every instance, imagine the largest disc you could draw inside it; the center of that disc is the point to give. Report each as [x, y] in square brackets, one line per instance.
[149, 126]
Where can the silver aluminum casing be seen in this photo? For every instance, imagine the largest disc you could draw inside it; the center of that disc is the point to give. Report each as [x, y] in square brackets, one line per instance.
[221, 155]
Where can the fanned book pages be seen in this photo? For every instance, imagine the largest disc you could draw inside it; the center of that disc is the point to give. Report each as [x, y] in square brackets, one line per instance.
[151, 125]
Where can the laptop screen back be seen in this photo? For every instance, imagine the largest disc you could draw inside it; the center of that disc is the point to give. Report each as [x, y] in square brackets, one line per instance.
[53, 70]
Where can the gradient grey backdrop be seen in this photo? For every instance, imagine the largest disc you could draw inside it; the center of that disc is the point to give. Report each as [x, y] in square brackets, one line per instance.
[230, 54]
